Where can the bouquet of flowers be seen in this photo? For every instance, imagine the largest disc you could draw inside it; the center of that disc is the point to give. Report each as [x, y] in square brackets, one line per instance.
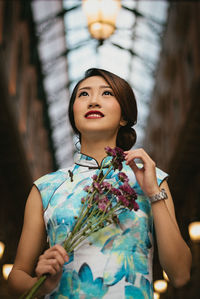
[100, 207]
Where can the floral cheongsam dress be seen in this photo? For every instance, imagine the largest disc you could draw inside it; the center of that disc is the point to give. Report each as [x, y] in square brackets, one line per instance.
[114, 262]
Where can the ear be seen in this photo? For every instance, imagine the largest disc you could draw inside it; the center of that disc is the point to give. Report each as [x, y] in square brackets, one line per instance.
[123, 122]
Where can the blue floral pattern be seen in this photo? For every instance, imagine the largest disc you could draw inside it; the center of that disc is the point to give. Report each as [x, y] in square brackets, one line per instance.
[116, 261]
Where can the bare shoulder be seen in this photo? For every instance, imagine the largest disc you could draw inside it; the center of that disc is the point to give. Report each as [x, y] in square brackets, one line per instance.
[34, 202]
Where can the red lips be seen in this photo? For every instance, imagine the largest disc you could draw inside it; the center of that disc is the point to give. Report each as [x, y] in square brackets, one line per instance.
[94, 114]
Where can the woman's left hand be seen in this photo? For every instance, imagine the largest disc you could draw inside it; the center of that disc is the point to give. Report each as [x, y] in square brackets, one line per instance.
[145, 176]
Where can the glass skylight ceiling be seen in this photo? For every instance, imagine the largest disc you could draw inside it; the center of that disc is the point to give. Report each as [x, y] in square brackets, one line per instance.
[132, 52]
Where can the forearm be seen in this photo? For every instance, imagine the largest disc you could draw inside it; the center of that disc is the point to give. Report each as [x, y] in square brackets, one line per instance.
[174, 254]
[20, 282]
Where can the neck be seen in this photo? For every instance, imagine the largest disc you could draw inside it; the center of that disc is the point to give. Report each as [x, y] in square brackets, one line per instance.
[95, 148]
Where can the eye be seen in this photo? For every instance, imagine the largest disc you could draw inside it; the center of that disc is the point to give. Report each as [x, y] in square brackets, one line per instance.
[108, 92]
[83, 93]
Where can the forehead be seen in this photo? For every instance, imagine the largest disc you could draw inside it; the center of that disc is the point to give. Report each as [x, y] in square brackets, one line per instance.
[94, 81]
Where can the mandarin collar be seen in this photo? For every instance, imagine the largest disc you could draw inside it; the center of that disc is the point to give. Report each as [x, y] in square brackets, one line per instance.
[87, 161]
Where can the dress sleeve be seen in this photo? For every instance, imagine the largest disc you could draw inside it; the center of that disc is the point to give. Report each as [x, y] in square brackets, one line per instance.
[48, 184]
[161, 176]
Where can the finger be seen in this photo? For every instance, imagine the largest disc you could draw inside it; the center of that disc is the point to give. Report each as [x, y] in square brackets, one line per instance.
[58, 257]
[44, 269]
[52, 255]
[139, 154]
[62, 251]
[50, 266]
[132, 156]
[57, 251]
[55, 264]
[133, 165]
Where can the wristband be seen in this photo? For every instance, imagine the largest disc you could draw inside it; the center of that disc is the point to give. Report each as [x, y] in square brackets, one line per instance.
[159, 196]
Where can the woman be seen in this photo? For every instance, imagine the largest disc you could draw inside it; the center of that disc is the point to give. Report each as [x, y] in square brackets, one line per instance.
[116, 261]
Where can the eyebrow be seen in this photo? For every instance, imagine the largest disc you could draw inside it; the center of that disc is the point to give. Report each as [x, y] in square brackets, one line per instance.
[88, 87]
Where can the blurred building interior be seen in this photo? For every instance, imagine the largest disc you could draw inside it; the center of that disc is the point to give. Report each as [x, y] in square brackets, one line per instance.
[45, 47]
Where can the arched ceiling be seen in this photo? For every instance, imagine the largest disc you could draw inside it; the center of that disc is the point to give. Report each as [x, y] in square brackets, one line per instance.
[67, 50]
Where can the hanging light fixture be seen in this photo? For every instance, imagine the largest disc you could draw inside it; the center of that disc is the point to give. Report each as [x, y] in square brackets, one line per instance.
[165, 276]
[194, 231]
[101, 17]
[160, 286]
[6, 270]
[2, 247]
[156, 295]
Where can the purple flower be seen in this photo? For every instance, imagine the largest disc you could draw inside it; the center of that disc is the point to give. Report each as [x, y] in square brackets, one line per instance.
[128, 202]
[106, 186]
[135, 205]
[123, 200]
[100, 211]
[97, 187]
[128, 197]
[116, 191]
[118, 156]
[94, 177]
[126, 188]
[123, 177]
[119, 153]
[87, 189]
[109, 151]
[103, 204]
[117, 165]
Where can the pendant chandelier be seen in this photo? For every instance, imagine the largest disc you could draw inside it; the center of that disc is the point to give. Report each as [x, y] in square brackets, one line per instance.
[101, 17]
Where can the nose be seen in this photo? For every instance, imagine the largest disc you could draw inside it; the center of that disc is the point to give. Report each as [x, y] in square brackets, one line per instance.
[91, 105]
[94, 102]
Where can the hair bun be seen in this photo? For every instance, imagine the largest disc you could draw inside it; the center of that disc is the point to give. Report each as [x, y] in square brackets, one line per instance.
[126, 137]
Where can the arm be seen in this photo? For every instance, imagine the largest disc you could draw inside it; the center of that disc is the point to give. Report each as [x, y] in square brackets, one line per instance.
[174, 254]
[31, 245]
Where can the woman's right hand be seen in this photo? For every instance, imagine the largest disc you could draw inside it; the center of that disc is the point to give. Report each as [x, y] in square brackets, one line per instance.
[51, 262]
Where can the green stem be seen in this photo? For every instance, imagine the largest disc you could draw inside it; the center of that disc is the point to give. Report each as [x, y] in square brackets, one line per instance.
[86, 225]
[74, 239]
[93, 227]
[82, 213]
[98, 219]
[31, 294]
[75, 227]
[105, 175]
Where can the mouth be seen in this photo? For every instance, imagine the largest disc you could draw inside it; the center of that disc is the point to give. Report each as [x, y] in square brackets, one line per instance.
[94, 114]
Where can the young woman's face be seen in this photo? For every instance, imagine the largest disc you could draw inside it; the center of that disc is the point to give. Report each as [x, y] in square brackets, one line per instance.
[96, 110]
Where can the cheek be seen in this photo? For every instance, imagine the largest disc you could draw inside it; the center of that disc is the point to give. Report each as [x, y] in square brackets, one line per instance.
[75, 107]
[76, 110]
[78, 114]
[115, 109]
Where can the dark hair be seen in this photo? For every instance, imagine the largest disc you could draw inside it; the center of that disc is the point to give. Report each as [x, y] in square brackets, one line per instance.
[126, 136]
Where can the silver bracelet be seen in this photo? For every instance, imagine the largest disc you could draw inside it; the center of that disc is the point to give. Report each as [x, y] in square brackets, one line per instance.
[159, 196]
